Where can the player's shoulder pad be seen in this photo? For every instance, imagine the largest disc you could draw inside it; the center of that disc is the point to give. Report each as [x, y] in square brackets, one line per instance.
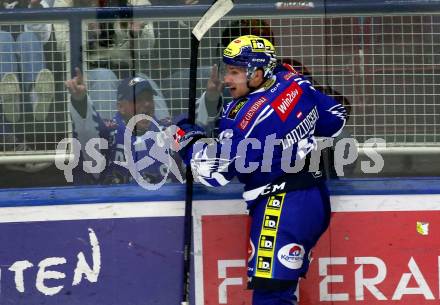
[304, 82]
[287, 92]
[286, 72]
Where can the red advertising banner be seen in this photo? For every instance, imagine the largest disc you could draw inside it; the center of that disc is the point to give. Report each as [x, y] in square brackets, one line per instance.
[384, 257]
[224, 259]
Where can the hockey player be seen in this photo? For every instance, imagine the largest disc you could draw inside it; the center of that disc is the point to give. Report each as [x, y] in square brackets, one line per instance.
[275, 113]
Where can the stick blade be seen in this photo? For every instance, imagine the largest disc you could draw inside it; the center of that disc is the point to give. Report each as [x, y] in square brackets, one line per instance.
[214, 14]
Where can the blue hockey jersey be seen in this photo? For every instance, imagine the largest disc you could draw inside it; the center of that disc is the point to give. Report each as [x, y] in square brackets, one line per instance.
[262, 134]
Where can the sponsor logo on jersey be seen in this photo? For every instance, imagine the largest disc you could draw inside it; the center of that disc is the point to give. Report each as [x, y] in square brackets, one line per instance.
[287, 100]
[291, 256]
[236, 108]
[273, 188]
[270, 222]
[251, 112]
[266, 242]
[275, 202]
[264, 265]
[275, 88]
[302, 130]
[268, 235]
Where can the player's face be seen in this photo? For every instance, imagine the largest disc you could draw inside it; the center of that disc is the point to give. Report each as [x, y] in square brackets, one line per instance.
[235, 78]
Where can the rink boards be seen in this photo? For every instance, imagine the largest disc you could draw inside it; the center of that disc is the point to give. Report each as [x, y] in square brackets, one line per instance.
[84, 246]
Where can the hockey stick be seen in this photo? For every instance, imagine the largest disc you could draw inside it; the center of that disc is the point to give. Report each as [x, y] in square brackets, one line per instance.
[212, 15]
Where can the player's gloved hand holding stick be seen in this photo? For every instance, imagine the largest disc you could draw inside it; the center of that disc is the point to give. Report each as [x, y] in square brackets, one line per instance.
[186, 135]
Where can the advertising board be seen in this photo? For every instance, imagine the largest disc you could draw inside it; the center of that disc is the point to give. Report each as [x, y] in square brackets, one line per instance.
[127, 253]
[378, 250]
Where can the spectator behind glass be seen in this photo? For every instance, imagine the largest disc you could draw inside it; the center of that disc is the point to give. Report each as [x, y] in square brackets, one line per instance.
[26, 85]
[134, 96]
[103, 83]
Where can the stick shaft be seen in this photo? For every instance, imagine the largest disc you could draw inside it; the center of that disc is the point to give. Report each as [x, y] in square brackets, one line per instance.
[189, 179]
[215, 13]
